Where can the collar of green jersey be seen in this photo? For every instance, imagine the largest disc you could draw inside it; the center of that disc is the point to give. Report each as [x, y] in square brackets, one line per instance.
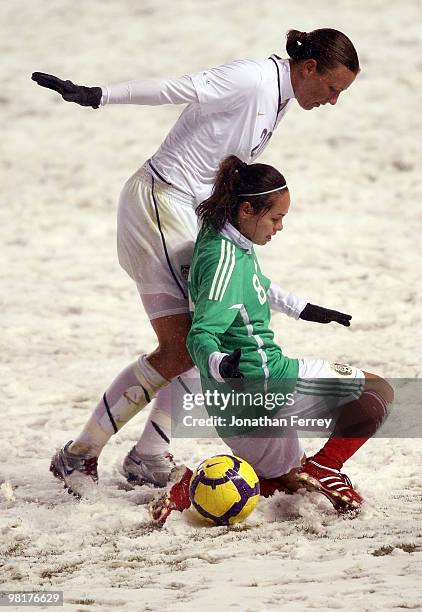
[230, 232]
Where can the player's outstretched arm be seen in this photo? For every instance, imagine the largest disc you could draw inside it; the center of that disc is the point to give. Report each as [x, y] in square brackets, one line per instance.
[85, 96]
[311, 312]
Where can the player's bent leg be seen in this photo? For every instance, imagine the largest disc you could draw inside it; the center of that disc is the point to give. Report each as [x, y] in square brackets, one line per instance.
[358, 422]
[149, 460]
[156, 233]
[131, 391]
[156, 255]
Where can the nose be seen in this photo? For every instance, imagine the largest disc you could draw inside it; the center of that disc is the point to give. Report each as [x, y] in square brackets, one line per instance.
[278, 226]
[333, 99]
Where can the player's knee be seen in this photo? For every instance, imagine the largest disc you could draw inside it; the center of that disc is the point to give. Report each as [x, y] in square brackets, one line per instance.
[380, 386]
[171, 350]
[388, 392]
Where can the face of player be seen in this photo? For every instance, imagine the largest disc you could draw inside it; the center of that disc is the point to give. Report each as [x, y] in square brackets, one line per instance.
[313, 89]
[261, 227]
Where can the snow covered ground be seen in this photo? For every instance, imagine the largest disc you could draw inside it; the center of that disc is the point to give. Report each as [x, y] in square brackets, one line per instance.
[71, 318]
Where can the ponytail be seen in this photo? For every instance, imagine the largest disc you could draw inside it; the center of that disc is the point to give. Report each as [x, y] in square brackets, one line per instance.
[238, 182]
[326, 46]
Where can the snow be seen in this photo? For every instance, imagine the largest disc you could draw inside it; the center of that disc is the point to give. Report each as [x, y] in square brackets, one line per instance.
[71, 319]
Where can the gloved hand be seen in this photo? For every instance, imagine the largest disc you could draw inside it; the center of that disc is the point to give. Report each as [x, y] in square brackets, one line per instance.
[324, 315]
[85, 96]
[229, 366]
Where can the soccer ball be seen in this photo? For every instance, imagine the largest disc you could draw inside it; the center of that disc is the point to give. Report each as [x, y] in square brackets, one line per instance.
[224, 489]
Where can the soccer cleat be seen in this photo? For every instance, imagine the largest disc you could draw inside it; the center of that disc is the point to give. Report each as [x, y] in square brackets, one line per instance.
[78, 472]
[175, 498]
[336, 486]
[148, 469]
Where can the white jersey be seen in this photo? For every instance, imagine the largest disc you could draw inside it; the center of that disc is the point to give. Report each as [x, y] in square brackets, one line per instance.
[232, 110]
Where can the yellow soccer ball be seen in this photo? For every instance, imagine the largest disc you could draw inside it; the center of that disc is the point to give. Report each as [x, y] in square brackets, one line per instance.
[224, 489]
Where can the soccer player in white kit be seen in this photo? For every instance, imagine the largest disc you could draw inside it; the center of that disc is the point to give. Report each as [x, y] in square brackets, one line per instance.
[231, 109]
[231, 342]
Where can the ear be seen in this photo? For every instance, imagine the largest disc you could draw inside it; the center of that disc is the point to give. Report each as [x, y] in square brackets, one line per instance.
[309, 67]
[245, 209]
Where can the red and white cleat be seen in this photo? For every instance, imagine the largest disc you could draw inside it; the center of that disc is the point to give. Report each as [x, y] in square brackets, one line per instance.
[336, 486]
[175, 498]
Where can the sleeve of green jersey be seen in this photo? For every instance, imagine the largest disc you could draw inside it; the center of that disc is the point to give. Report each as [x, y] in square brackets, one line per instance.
[218, 293]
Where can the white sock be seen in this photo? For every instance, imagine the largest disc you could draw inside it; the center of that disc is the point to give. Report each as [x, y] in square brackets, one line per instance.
[156, 437]
[131, 391]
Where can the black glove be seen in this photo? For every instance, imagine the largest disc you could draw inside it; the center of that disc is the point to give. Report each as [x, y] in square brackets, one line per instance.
[229, 366]
[324, 315]
[85, 96]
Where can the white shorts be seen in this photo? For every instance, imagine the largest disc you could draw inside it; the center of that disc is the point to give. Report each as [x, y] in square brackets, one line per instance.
[271, 457]
[156, 233]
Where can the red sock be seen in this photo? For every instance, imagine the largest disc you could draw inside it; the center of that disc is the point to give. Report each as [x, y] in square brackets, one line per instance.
[269, 486]
[359, 420]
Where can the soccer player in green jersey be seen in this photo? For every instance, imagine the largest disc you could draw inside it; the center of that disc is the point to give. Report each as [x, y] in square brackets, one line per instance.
[230, 339]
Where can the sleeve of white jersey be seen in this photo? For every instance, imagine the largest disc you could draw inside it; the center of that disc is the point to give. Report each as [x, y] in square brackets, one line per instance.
[151, 92]
[283, 301]
[225, 87]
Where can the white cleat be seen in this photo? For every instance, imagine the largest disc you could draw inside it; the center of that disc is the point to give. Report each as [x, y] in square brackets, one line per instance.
[148, 469]
[78, 472]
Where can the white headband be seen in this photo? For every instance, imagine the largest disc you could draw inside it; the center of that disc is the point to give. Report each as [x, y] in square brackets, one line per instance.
[263, 192]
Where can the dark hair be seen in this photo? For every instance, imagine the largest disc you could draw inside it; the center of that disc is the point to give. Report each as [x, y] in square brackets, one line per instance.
[326, 46]
[234, 178]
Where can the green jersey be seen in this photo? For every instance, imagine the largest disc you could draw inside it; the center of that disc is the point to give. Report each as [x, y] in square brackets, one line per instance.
[230, 307]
